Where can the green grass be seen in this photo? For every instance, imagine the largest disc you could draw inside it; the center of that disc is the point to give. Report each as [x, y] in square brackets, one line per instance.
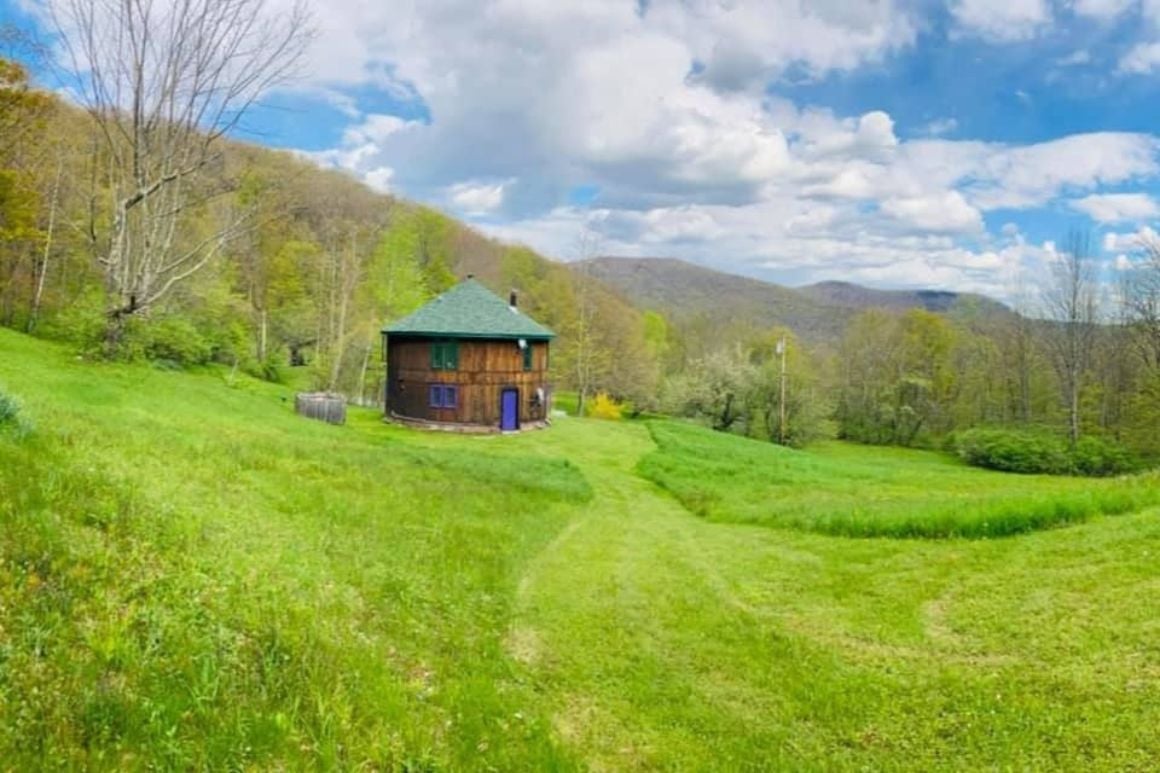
[193, 577]
[846, 490]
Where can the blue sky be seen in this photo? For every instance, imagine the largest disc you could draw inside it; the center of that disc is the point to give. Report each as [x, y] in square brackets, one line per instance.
[890, 142]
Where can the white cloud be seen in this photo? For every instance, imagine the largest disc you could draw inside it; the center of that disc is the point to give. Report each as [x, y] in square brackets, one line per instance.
[793, 241]
[1002, 20]
[1021, 177]
[1117, 207]
[1075, 58]
[947, 212]
[939, 127]
[1102, 10]
[744, 43]
[870, 137]
[379, 178]
[375, 128]
[1129, 242]
[1142, 59]
[474, 198]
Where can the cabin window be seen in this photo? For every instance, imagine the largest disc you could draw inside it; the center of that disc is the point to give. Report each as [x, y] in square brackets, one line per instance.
[444, 355]
[528, 357]
[443, 396]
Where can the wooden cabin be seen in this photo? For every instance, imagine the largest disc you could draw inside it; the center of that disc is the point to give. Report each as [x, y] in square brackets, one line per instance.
[468, 360]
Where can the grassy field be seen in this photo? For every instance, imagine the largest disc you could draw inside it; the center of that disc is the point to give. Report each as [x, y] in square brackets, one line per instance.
[193, 577]
[855, 491]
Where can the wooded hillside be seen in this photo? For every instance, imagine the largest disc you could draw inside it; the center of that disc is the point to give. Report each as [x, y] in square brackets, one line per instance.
[303, 266]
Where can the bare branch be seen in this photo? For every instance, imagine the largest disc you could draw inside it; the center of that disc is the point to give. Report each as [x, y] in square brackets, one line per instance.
[165, 81]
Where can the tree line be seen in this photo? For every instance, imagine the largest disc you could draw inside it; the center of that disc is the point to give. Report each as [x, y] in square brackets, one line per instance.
[1080, 358]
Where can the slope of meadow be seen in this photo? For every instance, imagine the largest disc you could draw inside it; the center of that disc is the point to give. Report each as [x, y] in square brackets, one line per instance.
[193, 577]
[856, 491]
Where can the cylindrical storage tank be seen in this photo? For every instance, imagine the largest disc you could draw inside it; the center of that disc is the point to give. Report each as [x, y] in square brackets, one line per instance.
[323, 406]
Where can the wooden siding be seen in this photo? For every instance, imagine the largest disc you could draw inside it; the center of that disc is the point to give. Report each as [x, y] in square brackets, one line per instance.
[486, 369]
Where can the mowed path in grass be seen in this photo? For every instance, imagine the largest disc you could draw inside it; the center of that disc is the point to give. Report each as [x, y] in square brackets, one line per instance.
[192, 577]
[665, 640]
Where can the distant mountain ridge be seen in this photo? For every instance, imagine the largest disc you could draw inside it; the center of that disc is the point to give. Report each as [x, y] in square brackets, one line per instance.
[817, 313]
[838, 293]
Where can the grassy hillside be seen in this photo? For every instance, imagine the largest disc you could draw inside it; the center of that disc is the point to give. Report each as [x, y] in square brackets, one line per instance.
[193, 577]
[818, 313]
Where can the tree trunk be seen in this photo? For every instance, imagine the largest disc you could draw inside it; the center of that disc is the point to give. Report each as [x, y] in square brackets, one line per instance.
[1073, 418]
[362, 376]
[262, 335]
[114, 333]
[42, 269]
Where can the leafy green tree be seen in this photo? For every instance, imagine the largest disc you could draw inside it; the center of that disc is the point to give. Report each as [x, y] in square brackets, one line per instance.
[898, 377]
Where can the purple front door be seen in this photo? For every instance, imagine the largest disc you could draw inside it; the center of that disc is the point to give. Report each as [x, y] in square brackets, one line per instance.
[509, 413]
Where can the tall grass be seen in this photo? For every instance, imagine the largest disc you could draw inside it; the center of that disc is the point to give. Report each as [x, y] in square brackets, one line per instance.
[191, 577]
[899, 494]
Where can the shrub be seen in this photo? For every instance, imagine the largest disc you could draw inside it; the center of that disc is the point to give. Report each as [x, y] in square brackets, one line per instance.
[176, 340]
[1099, 457]
[9, 409]
[604, 407]
[81, 323]
[1013, 451]
[12, 421]
[1037, 452]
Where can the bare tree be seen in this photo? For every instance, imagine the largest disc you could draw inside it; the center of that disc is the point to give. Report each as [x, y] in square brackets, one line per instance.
[1141, 298]
[165, 81]
[1071, 303]
[589, 358]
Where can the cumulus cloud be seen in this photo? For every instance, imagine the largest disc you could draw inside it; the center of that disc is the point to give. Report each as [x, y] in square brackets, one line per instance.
[1027, 176]
[1117, 207]
[1129, 242]
[946, 212]
[474, 198]
[742, 44]
[379, 178]
[1002, 20]
[795, 241]
[1102, 10]
[1141, 59]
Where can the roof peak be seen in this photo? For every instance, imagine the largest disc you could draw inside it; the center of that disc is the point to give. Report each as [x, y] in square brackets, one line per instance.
[469, 309]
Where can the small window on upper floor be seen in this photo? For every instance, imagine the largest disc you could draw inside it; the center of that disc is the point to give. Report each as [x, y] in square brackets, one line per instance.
[528, 357]
[444, 355]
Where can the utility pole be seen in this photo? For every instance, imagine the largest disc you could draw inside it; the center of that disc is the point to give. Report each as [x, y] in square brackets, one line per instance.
[781, 400]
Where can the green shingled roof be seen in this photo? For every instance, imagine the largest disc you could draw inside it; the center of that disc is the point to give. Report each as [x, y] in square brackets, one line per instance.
[469, 310]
